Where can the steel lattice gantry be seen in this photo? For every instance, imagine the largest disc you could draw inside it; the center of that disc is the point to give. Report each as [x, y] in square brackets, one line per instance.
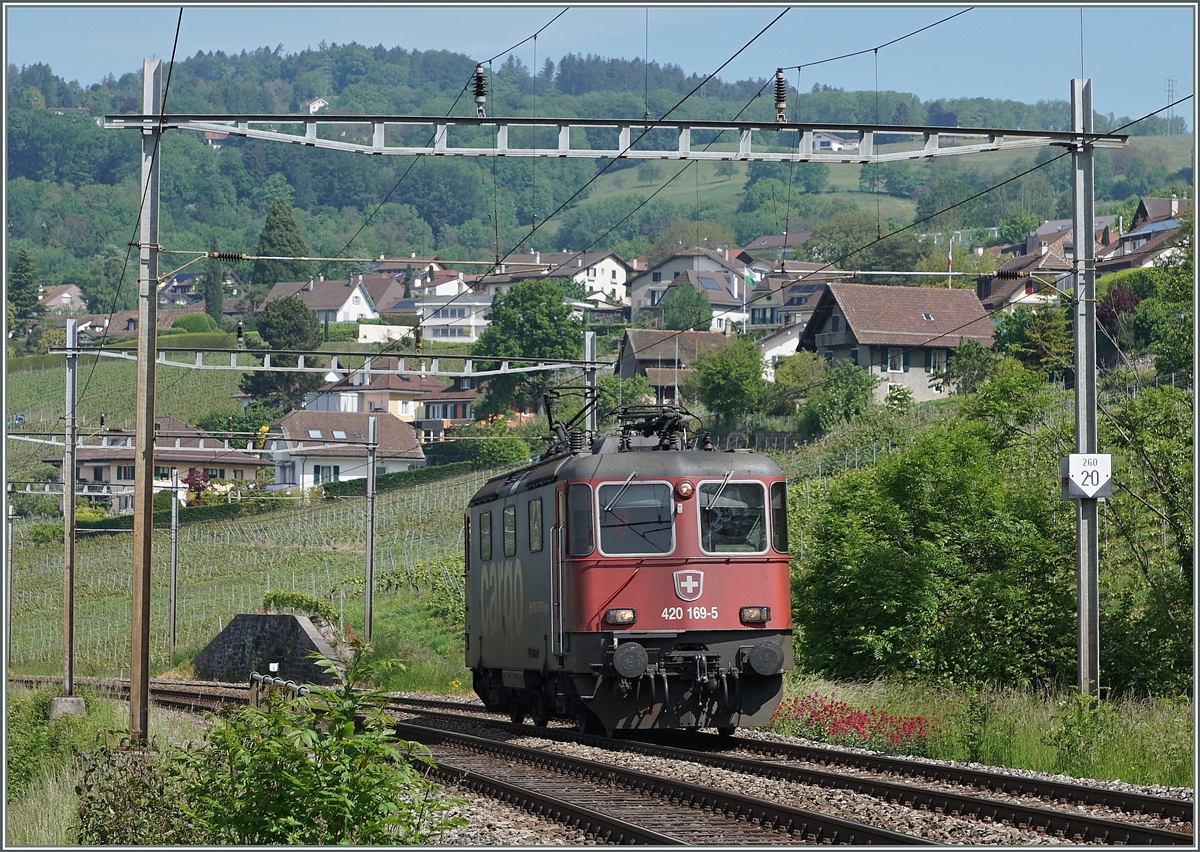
[615, 138]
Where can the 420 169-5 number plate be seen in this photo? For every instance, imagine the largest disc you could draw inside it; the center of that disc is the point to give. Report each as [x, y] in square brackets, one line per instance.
[676, 613]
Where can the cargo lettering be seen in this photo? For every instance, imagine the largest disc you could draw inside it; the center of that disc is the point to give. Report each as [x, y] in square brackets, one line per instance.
[503, 594]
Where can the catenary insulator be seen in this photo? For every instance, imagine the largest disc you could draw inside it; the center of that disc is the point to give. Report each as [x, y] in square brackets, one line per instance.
[480, 90]
[780, 96]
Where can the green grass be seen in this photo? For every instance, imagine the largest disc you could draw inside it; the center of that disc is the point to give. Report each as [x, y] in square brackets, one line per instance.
[1139, 740]
[42, 807]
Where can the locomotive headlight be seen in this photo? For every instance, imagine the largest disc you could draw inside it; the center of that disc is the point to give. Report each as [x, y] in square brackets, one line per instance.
[684, 489]
[620, 617]
[754, 614]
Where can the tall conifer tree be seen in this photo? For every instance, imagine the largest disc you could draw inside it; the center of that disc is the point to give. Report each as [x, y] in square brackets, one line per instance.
[280, 237]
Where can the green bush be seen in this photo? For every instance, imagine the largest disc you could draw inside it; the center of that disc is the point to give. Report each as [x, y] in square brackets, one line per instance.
[128, 797]
[324, 768]
[339, 331]
[195, 323]
[188, 515]
[392, 481]
[290, 600]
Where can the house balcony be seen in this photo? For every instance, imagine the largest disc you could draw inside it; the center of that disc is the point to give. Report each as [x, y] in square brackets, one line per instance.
[830, 339]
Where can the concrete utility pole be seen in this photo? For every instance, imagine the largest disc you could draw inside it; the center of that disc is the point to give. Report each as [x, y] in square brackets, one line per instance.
[8, 587]
[68, 478]
[369, 584]
[1086, 514]
[143, 498]
[174, 554]
[589, 381]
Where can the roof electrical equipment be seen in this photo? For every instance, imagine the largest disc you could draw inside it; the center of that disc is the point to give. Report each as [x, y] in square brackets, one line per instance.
[780, 96]
[480, 91]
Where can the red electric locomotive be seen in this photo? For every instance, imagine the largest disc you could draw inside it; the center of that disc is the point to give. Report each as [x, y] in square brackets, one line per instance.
[640, 582]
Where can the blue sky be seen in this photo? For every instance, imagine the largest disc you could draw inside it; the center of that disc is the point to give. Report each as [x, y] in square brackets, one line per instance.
[1026, 53]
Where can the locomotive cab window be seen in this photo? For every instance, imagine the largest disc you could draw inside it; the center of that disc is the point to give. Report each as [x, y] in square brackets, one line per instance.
[636, 518]
[485, 536]
[535, 524]
[733, 517]
[579, 502]
[509, 522]
[779, 539]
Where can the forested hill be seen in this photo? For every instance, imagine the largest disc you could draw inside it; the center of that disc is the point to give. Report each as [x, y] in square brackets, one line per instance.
[72, 186]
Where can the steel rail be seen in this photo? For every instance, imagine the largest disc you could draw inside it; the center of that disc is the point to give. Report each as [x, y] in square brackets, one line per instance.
[770, 815]
[1128, 801]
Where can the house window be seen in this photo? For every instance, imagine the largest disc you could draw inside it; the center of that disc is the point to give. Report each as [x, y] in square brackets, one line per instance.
[161, 472]
[655, 277]
[326, 473]
[237, 473]
[614, 275]
[315, 433]
[896, 360]
[835, 323]
[286, 473]
[591, 272]
[854, 356]
[935, 360]
[214, 472]
[356, 300]
[675, 275]
[125, 471]
[340, 434]
[656, 297]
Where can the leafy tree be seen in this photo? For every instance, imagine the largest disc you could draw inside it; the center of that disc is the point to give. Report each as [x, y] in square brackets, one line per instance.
[1041, 338]
[796, 376]
[684, 307]
[857, 239]
[214, 290]
[812, 178]
[24, 283]
[939, 563]
[967, 367]
[280, 237]
[730, 382]
[648, 172]
[614, 392]
[286, 324]
[843, 394]
[529, 321]
[726, 169]
[1018, 224]
[111, 280]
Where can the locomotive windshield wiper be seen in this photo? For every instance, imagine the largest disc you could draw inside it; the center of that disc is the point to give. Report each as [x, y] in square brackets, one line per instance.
[717, 496]
[614, 500]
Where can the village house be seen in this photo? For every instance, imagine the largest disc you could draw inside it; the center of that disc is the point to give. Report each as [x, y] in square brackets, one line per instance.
[331, 300]
[104, 465]
[63, 299]
[1031, 280]
[396, 393]
[602, 275]
[456, 319]
[453, 405]
[1151, 240]
[316, 447]
[666, 358]
[900, 335]
[647, 289]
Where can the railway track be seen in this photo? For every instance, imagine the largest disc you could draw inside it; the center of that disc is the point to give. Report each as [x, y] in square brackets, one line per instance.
[1067, 810]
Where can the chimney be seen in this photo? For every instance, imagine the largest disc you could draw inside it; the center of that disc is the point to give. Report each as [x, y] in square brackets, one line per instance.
[414, 254]
[1174, 205]
[310, 285]
[579, 261]
[537, 257]
[1043, 248]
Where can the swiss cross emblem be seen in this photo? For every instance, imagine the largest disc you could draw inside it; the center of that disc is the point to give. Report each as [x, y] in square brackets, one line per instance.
[689, 585]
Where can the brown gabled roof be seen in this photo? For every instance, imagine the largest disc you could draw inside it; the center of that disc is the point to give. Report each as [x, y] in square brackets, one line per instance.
[667, 377]
[882, 315]
[413, 383]
[327, 295]
[395, 438]
[647, 344]
[717, 287]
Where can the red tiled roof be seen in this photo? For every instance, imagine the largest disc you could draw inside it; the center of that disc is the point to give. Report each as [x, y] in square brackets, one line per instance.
[881, 315]
[396, 439]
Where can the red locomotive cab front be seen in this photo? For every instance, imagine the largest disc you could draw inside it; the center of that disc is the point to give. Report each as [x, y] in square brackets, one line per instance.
[682, 554]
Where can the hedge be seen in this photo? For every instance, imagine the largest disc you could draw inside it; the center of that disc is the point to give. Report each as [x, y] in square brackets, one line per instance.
[187, 515]
[392, 481]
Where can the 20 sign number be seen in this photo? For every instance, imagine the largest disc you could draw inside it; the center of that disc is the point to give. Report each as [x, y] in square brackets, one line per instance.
[1088, 475]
